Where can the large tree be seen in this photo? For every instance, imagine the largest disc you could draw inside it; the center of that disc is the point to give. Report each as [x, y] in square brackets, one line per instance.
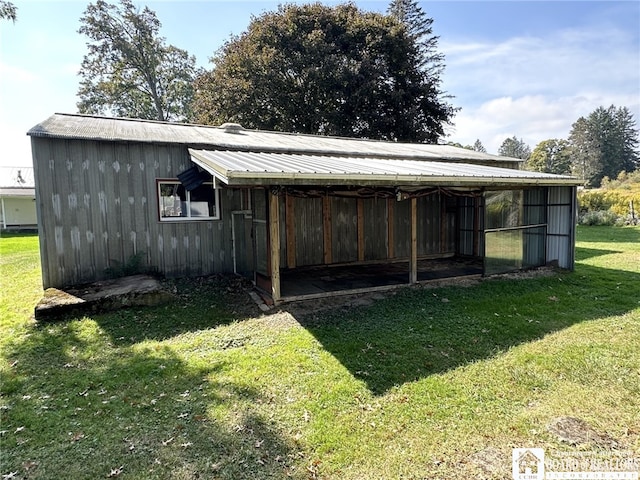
[8, 10]
[515, 148]
[551, 156]
[419, 26]
[324, 70]
[604, 143]
[129, 70]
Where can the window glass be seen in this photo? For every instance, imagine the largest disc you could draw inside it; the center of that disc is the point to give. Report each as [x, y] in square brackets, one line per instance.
[177, 203]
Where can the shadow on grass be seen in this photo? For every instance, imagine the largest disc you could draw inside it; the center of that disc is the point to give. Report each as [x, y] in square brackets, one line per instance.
[201, 303]
[76, 407]
[586, 253]
[421, 332]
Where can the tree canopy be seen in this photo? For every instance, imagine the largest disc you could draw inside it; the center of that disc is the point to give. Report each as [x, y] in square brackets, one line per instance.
[8, 10]
[551, 156]
[420, 28]
[129, 71]
[324, 70]
[604, 143]
[515, 148]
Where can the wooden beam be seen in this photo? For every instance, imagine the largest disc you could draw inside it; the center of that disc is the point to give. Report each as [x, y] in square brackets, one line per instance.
[391, 242]
[327, 237]
[291, 230]
[413, 267]
[360, 230]
[274, 237]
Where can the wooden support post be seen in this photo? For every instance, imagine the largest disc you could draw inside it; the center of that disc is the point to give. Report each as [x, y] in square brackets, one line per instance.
[327, 236]
[274, 237]
[360, 230]
[413, 268]
[290, 222]
[391, 242]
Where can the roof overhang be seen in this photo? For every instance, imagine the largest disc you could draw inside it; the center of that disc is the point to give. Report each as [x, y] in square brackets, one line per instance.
[266, 169]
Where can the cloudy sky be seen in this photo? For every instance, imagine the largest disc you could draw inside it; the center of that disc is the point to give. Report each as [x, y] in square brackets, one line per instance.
[528, 69]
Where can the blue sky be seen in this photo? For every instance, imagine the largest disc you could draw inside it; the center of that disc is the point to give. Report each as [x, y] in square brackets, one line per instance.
[520, 68]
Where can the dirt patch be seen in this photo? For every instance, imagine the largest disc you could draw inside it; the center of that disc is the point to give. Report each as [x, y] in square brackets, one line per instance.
[576, 431]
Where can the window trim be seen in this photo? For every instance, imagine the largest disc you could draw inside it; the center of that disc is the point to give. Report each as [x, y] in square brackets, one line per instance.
[175, 181]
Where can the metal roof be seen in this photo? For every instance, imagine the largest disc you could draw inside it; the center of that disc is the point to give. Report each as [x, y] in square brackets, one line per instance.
[234, 137]
[254, 168]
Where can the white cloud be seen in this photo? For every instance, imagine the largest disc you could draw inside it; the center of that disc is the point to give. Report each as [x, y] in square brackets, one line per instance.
[533, 118]
[535, 87]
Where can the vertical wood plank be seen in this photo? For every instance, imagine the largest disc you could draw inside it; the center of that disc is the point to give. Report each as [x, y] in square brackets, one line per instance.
[390, 228]
[413, 268]
[326, 230]
[274, 237]
[360, 230]
[290, 231]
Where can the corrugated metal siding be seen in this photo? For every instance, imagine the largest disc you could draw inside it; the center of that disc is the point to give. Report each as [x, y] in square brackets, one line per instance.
[344, 237]
[97, 208]
[402, 229]
[376, 230]
[308, 230]
[429, 224]
[561, 226]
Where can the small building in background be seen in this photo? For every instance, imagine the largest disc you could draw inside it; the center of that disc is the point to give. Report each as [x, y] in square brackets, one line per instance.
[17, 199]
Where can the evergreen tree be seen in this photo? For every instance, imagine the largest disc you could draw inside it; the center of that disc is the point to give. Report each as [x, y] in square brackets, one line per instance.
[478, 146]
[8, 10]
[419, 26]
[515, 148]
[604, 143]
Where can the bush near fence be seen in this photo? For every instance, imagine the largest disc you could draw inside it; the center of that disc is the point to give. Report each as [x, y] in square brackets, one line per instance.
[616, 202]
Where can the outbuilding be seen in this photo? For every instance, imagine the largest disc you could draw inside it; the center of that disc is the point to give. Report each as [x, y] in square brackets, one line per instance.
[17, 199]
[302, 216]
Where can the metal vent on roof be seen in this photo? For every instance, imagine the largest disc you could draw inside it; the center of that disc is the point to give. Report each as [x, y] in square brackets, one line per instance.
[193, 178]
[231, 127]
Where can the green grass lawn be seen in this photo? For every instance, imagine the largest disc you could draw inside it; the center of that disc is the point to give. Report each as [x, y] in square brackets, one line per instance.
[437, 383]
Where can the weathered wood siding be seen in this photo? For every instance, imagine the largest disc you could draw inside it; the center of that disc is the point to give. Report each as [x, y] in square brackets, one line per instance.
[97, 208]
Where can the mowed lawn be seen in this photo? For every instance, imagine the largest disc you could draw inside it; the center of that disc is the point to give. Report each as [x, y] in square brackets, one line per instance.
[437, 383]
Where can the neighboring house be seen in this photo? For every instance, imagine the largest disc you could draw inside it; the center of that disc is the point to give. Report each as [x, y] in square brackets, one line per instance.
[297, 214]
[17, 199]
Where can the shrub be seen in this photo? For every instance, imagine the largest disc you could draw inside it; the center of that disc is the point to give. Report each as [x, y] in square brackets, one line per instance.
[598, 217]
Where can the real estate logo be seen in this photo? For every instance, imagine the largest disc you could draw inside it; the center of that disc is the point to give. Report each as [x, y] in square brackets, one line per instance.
[527, 463]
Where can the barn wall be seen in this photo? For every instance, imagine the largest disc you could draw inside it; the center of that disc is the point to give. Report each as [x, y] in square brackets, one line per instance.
[97, 208]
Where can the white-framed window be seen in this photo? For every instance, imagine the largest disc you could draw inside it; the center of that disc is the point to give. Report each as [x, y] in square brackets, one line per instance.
[176, 203]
